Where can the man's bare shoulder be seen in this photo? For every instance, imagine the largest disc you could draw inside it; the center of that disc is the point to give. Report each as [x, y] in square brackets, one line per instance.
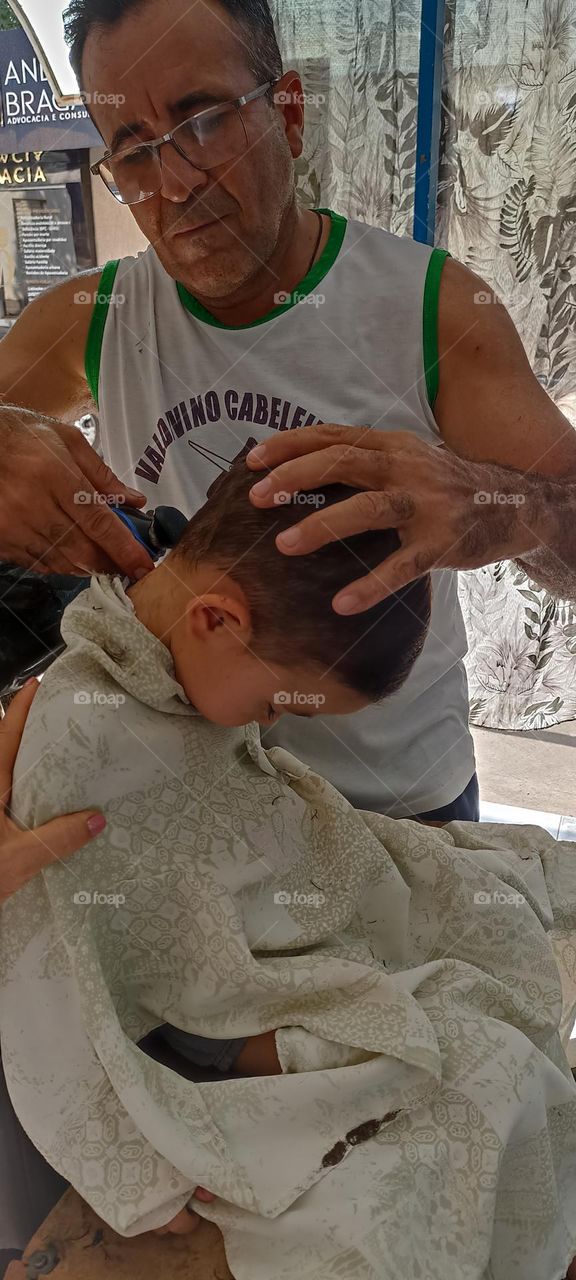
[68, 306]
[471, 314]
[42, 359]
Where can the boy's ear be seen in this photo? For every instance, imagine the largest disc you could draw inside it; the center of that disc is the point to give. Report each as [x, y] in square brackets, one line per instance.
[227, 614]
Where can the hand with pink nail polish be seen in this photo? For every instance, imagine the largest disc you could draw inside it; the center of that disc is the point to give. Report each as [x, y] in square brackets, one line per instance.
[24, 853]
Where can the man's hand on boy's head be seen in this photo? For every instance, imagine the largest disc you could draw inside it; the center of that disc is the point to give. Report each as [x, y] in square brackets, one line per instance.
[437, 501]
[24, 853]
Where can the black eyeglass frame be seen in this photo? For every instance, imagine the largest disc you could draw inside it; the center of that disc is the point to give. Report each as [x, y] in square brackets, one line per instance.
[156, 143]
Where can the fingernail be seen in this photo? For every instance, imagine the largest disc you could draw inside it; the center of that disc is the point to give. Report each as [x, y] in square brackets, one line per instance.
[96, 824]
[290, 537]
[346, 604]
[262, 489]
[32, 680]
[257, 454]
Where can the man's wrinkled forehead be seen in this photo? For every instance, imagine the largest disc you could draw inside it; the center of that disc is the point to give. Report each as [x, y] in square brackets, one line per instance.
[161, 63]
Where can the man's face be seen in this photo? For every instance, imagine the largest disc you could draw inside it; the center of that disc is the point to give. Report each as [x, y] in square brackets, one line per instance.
[156, 57]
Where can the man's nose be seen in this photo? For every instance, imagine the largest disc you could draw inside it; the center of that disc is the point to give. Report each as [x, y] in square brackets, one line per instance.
[179, 177]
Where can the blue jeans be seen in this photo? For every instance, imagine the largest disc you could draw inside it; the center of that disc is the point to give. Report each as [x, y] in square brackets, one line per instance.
[465, 808]
[217, 1054]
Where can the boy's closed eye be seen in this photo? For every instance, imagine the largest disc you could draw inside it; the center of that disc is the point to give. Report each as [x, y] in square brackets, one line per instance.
[272, 713]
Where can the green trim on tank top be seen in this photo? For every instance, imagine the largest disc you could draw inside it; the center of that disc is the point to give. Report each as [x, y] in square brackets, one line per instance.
[93, 353]
[307, 285]
[430, 319]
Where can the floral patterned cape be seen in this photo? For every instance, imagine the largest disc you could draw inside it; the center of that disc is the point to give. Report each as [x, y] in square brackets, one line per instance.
[424, 1123]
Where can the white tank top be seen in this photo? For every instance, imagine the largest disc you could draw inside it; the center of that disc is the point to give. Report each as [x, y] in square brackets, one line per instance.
[178, 393]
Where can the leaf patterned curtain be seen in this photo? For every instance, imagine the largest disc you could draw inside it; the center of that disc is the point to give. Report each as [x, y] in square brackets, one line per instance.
[507, 208]
[359, 67]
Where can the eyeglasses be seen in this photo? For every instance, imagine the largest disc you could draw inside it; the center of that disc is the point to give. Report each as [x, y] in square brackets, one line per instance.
[210, 138]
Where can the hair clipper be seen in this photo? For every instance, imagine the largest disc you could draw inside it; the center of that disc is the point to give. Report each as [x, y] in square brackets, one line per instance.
[32, 604]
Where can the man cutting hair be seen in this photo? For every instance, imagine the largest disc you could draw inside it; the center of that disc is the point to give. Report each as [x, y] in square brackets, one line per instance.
[251, 318]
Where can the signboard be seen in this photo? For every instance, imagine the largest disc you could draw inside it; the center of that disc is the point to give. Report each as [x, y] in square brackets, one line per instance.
[21, 168]
[44, 233]
[45, 239]
[43, 21]
[30, 116]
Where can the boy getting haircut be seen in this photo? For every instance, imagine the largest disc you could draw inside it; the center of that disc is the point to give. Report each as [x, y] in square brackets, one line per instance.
[290, 598]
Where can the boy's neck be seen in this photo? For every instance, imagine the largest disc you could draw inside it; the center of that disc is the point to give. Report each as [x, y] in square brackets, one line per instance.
[161, 597]
[185, 606]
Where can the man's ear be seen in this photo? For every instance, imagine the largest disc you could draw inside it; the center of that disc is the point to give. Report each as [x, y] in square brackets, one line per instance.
[289, 100]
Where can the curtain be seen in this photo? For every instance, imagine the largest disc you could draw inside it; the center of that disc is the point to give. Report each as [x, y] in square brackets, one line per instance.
[359, 67]
[507, 208]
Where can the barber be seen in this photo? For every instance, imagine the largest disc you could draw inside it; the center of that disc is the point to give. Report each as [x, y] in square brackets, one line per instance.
[206, 341]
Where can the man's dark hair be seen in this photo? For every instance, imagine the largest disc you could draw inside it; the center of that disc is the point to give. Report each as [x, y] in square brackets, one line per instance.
[290, 596]
[262, 52]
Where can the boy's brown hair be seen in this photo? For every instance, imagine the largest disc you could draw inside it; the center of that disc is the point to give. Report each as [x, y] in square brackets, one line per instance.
[290, 597]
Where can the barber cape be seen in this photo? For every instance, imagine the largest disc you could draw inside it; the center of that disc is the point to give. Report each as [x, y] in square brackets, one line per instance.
[424, 1124]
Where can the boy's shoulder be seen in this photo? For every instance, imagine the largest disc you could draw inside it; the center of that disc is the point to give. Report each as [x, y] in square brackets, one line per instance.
[86, 742]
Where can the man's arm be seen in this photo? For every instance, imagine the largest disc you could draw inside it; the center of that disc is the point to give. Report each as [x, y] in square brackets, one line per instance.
[53, 487]
[491, 408]
[503, 487]
[42, 357]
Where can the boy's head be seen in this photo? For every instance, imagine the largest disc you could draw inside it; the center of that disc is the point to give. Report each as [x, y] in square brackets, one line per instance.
[252, 632]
